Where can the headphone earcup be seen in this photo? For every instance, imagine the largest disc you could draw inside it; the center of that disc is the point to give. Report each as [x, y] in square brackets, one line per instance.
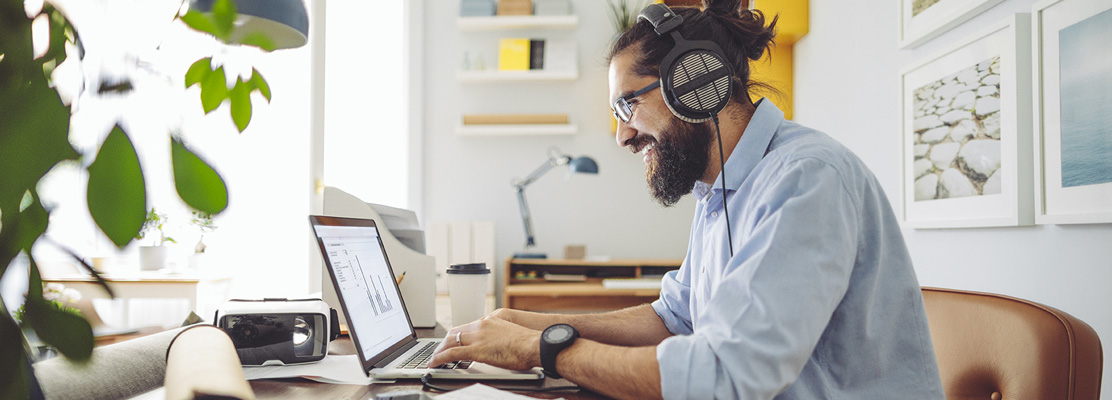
[695, 82]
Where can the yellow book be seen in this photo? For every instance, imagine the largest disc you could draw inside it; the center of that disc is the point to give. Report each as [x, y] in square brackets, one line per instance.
[513, 54]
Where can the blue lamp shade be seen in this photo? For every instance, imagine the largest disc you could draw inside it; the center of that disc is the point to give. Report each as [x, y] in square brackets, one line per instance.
[285, 22]
[584, 165]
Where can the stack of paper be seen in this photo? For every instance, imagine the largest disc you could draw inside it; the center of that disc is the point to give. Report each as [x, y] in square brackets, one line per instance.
[631, 283]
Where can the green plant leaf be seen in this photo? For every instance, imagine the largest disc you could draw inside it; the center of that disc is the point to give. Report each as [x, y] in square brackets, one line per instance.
[213, 90]
[224, 17]
[58, 25]
[199, 22]
[241, 105]
[198, 71]
[14, 379]
[198, 184]
[70, 334]
[117, 193]
[33, 138]
[21, 229]
[260, 40]
[258, 82]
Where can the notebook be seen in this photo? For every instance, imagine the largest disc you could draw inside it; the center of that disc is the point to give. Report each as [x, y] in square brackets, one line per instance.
[385, 342]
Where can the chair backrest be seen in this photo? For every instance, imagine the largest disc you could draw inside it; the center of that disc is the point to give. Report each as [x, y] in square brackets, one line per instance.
[991, 346]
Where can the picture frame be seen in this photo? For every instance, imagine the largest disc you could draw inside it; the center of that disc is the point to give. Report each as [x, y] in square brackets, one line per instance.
[923, 20]
[965, 133]
[1073, 173]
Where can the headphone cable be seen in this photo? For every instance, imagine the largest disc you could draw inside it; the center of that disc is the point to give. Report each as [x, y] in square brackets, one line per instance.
[722, 163]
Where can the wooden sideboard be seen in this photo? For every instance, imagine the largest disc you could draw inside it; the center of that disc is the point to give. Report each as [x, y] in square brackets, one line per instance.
[555, 285]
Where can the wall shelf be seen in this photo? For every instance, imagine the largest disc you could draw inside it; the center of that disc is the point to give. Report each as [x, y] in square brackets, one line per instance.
[486, 76]
[517, 130]
[479, 24]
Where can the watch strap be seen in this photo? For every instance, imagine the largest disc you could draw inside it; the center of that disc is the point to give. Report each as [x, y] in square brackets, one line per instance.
[549, 351]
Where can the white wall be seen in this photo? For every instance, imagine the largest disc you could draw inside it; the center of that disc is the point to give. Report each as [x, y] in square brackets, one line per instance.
[846, 79]
[468, 178]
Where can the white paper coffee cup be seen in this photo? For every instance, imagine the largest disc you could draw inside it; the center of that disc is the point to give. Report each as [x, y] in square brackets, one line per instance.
[467, 287]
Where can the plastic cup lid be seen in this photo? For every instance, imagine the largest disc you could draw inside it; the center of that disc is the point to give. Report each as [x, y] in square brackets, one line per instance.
[475, 268]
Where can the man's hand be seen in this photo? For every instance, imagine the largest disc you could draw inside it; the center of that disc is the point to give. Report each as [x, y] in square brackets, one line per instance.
[491, 340]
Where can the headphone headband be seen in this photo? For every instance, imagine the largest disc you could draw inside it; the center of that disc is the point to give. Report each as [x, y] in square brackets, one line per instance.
[694, 75]
[661, 17]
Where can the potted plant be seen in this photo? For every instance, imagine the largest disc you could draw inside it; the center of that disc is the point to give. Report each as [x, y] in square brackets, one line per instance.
[152, 256]
[34, 138]
[623, 13]
[203, 222]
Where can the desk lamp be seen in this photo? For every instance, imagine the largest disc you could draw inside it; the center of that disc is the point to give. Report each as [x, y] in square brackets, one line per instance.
[582, 164]
[285, 22]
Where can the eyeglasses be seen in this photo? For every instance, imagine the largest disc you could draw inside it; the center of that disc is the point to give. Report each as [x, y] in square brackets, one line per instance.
[623, 109]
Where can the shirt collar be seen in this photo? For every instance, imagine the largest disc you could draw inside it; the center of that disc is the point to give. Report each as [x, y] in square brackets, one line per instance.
[752, 146]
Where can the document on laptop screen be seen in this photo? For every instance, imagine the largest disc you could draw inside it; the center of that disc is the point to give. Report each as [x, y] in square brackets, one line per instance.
[366, 286]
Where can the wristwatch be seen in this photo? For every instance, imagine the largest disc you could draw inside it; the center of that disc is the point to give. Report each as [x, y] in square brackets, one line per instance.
[555, 339]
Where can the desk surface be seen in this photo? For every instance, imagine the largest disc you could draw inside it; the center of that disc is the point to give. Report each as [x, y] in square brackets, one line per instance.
[297, 388]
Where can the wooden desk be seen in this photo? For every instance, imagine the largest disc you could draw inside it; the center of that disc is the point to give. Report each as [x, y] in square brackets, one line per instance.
[297, 388]
[542, 294]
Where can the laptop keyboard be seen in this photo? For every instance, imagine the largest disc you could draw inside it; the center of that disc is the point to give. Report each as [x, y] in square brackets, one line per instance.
[420, 359]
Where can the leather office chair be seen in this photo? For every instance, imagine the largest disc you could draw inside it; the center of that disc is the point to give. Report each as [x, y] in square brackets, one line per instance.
[991, 346]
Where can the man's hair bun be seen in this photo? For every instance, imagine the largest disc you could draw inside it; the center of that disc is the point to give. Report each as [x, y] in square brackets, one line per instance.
[723, 8]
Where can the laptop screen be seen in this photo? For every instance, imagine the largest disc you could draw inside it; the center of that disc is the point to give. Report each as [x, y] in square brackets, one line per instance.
[356, 259]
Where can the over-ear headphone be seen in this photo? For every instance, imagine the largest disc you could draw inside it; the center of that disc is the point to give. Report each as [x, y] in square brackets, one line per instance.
[695, 80]
[694, 75]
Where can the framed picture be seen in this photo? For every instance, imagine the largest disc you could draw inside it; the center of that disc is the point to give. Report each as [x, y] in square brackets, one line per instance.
[966, 133]
[922, 20]
[1073, 111]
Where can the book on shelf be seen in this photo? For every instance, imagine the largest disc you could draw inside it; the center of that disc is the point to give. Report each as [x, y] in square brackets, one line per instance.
[477, 8]
[513, 54]
[536, 54]
[515, 7]
[552, 7]
[631, 283]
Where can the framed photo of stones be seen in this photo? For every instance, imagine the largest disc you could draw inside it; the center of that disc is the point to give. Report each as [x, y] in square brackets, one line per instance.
[922, 20]
[966, 133]
[1073, 111]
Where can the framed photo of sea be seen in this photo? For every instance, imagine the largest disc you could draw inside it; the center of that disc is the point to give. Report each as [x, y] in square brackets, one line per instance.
[965, 132]
[1072, 45]
[922, 20]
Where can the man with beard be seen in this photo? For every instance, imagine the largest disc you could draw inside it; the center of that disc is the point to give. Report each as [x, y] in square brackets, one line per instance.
[797, 283]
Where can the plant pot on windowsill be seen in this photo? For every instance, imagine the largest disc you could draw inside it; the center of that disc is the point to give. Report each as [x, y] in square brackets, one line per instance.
[152, 258]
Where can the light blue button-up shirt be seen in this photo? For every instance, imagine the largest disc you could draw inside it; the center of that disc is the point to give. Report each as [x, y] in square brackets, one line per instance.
[819, 300]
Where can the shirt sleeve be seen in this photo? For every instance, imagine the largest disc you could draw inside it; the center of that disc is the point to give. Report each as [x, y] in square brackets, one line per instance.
[673, 306]
[795, 244]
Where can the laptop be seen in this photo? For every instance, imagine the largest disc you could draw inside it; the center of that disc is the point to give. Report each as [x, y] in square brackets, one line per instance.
[378, 323]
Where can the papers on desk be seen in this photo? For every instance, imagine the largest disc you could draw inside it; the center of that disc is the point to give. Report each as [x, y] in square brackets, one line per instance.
[480, 391]
[340, 369]
[631, 283]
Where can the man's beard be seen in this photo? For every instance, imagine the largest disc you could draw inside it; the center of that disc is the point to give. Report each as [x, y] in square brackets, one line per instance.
[681, 159]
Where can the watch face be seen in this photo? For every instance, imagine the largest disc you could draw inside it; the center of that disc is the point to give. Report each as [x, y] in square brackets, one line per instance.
[557, 334]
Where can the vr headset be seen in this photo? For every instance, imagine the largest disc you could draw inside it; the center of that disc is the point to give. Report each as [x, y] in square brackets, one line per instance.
[279, 331]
